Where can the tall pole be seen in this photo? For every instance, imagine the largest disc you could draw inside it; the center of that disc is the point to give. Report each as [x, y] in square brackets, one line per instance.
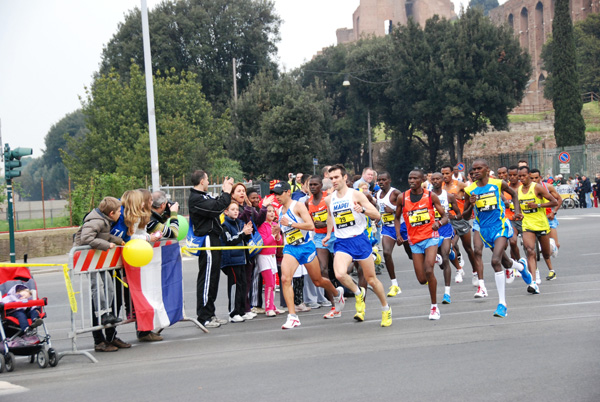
[150, 99]
[234, 82]
[9, 217]
[369, 130]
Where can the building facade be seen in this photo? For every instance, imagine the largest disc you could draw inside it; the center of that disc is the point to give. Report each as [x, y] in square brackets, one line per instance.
[376, 17]
[531, 21]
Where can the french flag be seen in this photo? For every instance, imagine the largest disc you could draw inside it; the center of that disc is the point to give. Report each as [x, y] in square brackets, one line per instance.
[157, 288]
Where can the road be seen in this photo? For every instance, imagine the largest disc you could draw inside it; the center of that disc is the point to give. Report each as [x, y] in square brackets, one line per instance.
[548, 348]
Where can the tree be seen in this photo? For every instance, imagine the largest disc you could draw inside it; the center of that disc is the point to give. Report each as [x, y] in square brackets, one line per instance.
[189, 136]
[563, 84]
[484, 5]
[202, 37]
[587, 41]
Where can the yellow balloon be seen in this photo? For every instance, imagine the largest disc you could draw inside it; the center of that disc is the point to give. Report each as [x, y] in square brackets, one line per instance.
[138, 252]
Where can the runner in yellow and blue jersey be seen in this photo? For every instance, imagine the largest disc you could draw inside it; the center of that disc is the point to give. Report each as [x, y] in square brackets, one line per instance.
[493, 229]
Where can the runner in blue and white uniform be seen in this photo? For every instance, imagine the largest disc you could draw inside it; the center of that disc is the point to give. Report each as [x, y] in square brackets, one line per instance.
[299, 249]
[347, 209]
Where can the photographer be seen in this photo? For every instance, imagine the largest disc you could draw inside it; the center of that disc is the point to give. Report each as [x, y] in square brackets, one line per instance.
[162, 210]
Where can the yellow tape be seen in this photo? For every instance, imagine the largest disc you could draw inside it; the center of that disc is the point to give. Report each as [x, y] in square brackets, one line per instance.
[186, 249]
[13, 264]
[70, 292]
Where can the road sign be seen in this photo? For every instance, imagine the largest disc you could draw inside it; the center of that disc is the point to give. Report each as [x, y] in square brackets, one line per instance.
[315, 161]
[461, 167]
[565, 168]
[564, 157]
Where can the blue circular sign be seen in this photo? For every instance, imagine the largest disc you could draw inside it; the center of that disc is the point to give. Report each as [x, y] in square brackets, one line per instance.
[461, 167]
[564, 157]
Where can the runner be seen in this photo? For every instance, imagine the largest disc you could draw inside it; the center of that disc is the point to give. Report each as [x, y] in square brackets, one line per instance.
[492, 228]
[461, 226]
[535, 223]
[446, 231]
[298, 249]
[517, 224]
[386, 200]
[417, 207]
[551, 215]
[347, 210]
[318, 211]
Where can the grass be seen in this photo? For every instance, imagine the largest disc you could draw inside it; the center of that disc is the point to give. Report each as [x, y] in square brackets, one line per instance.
[527, 118]
[27, 224]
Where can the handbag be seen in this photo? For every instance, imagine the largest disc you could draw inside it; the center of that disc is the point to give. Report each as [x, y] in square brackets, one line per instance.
[255, 243]
[193, 241]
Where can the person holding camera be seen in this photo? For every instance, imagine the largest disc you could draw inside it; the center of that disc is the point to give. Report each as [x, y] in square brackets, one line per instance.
[162, 210]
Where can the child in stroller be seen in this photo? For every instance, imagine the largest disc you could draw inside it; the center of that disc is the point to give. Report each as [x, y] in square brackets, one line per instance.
[21, 314]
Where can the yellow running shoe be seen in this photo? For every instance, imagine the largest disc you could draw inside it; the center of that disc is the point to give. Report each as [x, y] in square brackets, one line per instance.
[394, 291]
[359, 316]
[386, 318]
[360, 305]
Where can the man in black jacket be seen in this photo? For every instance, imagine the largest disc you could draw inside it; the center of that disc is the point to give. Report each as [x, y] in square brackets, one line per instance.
[205, 211]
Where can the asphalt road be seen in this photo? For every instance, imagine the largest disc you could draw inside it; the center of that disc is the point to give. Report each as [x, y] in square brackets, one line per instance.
[548, 348]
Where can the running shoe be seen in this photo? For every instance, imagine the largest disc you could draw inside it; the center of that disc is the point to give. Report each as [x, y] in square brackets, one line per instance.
[313, 305]
[376, 255]
[434, 314]
[553, 248]
[533, 288]
[339, 300]
[360, 302]
[236, 318]
[461, 262]
[359, 316]
[517, 274]
[333, 314]
[291, 322]
[475, 280]
[302, 308]
[325, 303]
[538, 278]
[481, 292]
[394, 291]
[386, 318]
[271, 313]
[438, 259]
[500, 311]
[258, 310]
[459, 275]
[248, 316]
[446, 299]
[551, 276]
[525, 272]
[510, 275]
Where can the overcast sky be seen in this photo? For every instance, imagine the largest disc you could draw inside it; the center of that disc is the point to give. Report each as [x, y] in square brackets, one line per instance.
[49, 50]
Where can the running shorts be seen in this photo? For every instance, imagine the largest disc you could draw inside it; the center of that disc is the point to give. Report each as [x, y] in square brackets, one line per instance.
[489, 235]
[318, 239]
[303, 253]
[389, 231]
[461, 227]
[517, 226]
[446, 231]
[421, 246]
[553, 223]
[358, 247]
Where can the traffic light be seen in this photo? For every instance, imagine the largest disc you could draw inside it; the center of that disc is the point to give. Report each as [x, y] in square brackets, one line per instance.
[12, 161]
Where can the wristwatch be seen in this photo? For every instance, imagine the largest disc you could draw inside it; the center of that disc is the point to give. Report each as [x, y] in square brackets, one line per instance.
[539, 205]
[363, 211]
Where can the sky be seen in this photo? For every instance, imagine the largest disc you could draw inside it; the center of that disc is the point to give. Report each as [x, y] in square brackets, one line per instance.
[49, 50]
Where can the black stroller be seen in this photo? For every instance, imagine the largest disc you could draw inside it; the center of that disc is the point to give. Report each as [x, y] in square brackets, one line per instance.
[13, 341]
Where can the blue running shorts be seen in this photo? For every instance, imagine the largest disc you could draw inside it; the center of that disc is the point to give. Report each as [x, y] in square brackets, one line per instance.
[446, 231]
[303, 253]
[490, 235]
[389, 231]
[358, 247]
[403, 231]
[420, 247]
[553, 223]
[318, 239]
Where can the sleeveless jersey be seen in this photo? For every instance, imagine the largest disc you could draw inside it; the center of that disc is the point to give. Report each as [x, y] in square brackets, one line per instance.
[445, 203]
[292, 236]
[489, 208]
[346, 221]
[533, 218]
[510, 208]
[459, 203]
[419, 217]
[387, 219]
[318, 212]
[548, 210]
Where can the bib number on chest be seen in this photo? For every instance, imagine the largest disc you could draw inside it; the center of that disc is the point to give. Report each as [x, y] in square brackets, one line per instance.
[320, 216]
[524, 208]
[419, 217]
[344, 219]
[294, 237]
[387, 219]
[487, 202]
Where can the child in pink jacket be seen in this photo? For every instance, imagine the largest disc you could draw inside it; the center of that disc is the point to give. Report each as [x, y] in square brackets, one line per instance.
[266, 263]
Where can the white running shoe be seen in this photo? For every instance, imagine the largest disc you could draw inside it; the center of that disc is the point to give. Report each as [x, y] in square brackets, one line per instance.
[249, 315]
[481, 293]
[438, 259]
[510, 275]
[332, 314]
[538, 278]
[459, 275]
[270, 313]
[533, 288]
[291, 322]
[302, 308]
[517, 274]
[475, 280]
[339, 301]
[553, 248]
[461, 262]
[236, 318]
[434, 314]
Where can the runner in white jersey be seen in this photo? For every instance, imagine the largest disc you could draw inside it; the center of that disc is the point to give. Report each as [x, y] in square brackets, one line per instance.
[298, 249]
[347, 209]
[386, 200]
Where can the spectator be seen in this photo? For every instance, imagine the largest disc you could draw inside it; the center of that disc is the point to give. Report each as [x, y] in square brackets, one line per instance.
[205, 211]
[368, 175]
[456, 175]
[586, 189]
[162, 210]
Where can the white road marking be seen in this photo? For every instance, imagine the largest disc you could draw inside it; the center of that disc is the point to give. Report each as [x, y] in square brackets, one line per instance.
[7, 388]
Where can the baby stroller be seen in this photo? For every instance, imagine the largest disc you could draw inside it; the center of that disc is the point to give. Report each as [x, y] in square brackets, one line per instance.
[13, 341]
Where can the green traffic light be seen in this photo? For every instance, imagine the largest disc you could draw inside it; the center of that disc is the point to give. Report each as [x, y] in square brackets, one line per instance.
[10, 174]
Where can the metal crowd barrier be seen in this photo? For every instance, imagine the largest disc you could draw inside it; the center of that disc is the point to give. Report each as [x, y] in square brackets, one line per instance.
[108, 269]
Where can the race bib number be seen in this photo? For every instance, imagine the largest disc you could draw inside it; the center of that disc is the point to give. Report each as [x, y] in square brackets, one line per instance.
[524, 208]
[294, 237]
[419, 217]
[487, 202]
[344, 219]
[387, 219]
[511, 205]
[437, 215]
[320, 216]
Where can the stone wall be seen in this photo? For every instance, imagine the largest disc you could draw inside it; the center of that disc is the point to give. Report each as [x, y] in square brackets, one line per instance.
[37, 243]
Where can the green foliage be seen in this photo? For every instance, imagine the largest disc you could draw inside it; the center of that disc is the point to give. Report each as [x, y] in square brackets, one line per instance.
[189, 136]
[87, 195]
[563, 83]
[484, 5]
[587, 41]
[225, 167]
[201, 37]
